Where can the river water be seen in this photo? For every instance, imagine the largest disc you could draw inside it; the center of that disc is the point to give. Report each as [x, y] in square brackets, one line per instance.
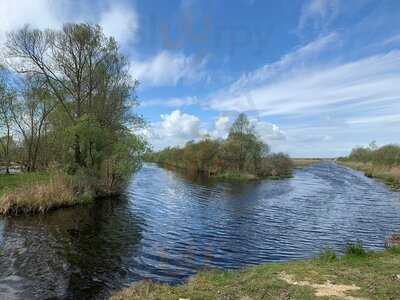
[166, 227]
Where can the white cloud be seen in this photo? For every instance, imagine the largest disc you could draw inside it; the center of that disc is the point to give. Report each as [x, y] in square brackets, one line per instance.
[181, 125]
[170, 102]
[221, 127]
[15, 14]
[120, 22]
[391, 40]
[268, 132]
[175, 129]
[335, 105]
[168, 68]
[318, 12]
[118, 19]
[283, 67]
[384, 119]
[372, 80]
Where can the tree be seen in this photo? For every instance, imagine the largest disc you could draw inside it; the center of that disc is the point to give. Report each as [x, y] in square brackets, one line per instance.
[241, 126]
[29, 113]
[243, 149]
[83, 71]
[76, 103]
[6, 140]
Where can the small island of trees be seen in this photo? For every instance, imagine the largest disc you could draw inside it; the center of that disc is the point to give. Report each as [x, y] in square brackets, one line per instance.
[242, 155]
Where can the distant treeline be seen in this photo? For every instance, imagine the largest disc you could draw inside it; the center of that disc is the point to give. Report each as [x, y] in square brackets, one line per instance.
[241, 155]
[388, 155]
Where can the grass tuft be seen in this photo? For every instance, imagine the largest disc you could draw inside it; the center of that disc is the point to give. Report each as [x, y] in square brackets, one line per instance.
[327, 255]
[355, 250]
[38, 196]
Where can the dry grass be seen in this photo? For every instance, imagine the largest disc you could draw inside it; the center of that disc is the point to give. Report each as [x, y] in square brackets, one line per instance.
[389, 175]
[38, 197]
[301, 163]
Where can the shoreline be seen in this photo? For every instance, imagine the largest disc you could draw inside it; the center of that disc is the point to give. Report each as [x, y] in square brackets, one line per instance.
[39, 193]
[390, 176]
[356, 275]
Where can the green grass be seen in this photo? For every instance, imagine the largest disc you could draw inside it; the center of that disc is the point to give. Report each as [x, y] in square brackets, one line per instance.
[11, 182]
[376, 275]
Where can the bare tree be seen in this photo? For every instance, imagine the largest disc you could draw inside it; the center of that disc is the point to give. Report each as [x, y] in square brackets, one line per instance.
[29, 113]
[6, 123]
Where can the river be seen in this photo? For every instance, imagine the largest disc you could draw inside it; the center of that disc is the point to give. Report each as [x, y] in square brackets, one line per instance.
[166, 226]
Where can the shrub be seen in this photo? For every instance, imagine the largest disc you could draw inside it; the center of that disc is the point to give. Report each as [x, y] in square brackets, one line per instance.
[275, 165]
[355, 249]
[327, 255]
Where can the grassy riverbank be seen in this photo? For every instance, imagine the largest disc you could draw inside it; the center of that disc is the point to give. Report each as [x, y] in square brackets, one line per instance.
[390, 175]
[37, 192]
[382, 163]
[357, 275]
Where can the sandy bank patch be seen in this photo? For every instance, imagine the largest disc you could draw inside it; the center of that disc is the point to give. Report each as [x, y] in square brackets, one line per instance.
[324, 290]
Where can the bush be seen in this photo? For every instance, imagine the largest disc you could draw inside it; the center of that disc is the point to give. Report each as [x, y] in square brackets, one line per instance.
[327, 255]
[275, 165]
[355, 249]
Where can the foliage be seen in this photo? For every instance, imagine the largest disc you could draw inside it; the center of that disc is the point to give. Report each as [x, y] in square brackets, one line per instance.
[355, 249]
[388, 155]
[242, 155]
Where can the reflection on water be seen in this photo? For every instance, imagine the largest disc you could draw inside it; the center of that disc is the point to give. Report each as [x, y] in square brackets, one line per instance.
[69, 254]
[166, 227]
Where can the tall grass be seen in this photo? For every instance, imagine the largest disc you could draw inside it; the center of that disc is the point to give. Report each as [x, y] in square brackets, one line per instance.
[38, 197]
[40, 192]
[355, 250]
[381, 163]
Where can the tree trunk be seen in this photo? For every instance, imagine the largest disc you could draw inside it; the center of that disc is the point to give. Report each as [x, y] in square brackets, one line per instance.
[77, 152]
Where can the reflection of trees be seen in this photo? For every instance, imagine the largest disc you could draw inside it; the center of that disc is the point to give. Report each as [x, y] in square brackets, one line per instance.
[81, 252]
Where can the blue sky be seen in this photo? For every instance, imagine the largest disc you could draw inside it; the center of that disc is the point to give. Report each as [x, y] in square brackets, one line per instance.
[316, 77]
